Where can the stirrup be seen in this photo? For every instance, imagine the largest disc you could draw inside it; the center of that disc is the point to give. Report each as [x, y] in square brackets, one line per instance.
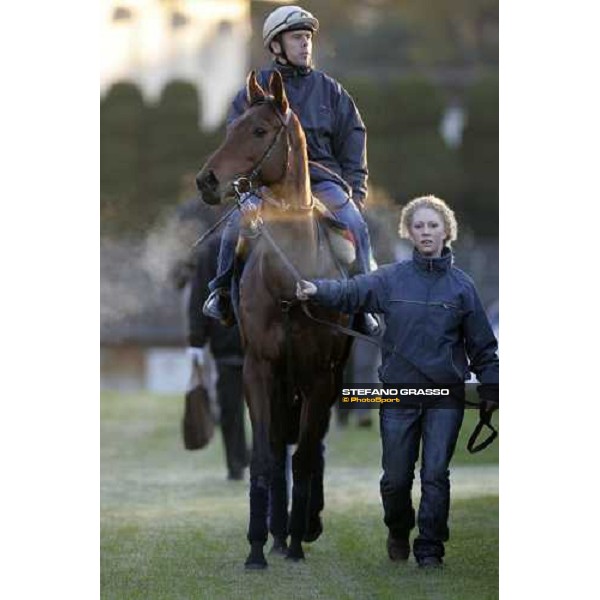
[218, 306]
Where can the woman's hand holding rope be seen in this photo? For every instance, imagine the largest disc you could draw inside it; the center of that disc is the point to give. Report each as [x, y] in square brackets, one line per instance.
[305, 289]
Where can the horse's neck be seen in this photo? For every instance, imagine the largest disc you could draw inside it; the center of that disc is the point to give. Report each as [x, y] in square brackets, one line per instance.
[295, 186]
[294, 229]
[295, 234]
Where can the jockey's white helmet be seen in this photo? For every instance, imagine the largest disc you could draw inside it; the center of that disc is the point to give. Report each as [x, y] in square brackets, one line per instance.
[287, 18]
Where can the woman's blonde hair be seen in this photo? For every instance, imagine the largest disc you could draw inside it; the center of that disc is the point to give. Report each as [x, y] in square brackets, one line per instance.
[435, 203]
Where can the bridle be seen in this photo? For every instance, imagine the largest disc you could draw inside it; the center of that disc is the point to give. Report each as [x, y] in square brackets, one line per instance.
[245, 183]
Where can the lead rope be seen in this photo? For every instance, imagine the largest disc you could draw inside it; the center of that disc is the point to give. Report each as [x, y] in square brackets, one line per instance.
[290, 387]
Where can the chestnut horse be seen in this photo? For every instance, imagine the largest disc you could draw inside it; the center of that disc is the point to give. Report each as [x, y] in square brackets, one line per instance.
[292, 365]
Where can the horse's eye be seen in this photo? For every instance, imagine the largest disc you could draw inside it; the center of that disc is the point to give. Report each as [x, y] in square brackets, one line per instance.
[260, 132]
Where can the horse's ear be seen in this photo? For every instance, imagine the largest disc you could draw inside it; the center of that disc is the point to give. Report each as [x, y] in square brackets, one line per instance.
[254, 92]
[276, 88]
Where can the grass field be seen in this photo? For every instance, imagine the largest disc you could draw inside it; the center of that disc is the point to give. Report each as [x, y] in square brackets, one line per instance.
[173, 527]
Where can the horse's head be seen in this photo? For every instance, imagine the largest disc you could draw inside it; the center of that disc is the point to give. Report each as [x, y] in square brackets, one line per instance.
[256, 148]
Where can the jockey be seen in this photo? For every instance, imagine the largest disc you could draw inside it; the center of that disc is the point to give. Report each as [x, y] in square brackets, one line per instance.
[336, 140]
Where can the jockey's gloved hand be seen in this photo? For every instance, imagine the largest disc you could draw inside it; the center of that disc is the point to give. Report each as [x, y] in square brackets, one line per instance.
[305, 289]
[196, 355]
[250, 219]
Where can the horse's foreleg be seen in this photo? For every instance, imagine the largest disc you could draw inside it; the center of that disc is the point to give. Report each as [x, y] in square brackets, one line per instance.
[300, 500]
[308, 462]
[257, 384]
[307, 496]
[316, 501]
[278, 505]
[307, 468]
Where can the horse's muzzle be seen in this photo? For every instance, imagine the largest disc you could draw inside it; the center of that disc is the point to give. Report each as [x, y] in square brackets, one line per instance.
[208, 186]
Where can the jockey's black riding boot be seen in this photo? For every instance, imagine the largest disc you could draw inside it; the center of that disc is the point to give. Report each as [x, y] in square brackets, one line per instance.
[367, 323]
[218, 306]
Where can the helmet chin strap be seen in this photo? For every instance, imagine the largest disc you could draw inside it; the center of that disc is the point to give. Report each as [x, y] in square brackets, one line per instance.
[282, 56]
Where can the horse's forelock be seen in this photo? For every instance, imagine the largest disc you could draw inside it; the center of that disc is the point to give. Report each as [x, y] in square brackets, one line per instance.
[272, 102]
[264, 100]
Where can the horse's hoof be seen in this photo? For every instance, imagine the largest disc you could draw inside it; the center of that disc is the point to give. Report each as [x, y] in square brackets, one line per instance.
[255, 564]
[279, 547]
[250, 566]
[295, 552]
[256, 559]
[315, 529]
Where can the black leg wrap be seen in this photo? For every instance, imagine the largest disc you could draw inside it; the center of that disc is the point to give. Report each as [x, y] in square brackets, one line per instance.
[300, 497]
[278, 504]
[256, 559]
[314, 526]
[295, 551]
[279, 547]
[259, 502]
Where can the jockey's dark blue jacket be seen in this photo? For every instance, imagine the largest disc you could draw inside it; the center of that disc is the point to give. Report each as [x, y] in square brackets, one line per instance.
[436, 327]
[335, 132]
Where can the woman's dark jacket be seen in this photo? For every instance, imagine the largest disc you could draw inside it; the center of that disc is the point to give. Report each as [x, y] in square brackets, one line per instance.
[436, 328]
[335, 133]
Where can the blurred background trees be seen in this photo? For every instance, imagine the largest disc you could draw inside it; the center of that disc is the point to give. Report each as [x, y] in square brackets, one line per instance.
[410, 66]
[423, 74]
